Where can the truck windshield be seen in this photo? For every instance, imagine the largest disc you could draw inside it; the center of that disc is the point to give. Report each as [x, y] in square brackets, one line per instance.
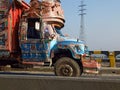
[59, 32]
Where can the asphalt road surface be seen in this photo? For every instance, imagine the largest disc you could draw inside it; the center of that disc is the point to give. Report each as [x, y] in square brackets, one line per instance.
[51, 74]
[22, 80]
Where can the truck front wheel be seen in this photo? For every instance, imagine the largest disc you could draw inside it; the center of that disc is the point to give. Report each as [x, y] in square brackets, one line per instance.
[66, 66]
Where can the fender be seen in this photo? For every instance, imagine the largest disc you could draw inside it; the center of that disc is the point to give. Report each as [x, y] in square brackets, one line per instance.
[72, 46]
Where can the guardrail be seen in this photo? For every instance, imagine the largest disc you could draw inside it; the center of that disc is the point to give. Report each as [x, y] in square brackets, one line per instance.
[106, 56]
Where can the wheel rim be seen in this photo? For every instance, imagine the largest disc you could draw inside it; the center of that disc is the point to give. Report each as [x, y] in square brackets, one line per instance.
[66, 70]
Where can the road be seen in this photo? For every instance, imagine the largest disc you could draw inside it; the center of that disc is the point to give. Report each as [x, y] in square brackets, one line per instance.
[17, 80]
[50, 74]
[27, 74]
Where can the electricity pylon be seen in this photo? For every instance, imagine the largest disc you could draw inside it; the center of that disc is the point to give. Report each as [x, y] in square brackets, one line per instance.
[82, 27]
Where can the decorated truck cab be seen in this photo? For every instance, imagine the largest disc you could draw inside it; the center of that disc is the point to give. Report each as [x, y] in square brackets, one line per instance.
[34, 37]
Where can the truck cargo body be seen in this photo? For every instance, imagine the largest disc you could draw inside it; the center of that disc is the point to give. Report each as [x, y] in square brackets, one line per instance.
[10, 15]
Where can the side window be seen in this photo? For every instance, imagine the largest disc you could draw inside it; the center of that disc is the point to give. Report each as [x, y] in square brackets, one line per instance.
[32, 33]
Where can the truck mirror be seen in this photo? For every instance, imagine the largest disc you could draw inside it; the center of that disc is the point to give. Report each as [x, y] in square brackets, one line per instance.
[37, 26]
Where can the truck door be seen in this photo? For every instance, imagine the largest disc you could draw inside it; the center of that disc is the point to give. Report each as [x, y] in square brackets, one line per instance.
[33, 47]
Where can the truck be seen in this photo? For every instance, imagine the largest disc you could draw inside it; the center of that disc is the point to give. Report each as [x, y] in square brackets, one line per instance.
[30, 35]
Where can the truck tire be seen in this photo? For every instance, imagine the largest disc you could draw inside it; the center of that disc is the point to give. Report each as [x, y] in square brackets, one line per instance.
[66, 66]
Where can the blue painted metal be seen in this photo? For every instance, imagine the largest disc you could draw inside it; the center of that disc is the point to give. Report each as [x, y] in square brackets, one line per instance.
[75, 46]
[34, 51]
[41, 51]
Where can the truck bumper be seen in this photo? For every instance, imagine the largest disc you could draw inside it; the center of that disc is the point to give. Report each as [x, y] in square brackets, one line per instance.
[91, 66]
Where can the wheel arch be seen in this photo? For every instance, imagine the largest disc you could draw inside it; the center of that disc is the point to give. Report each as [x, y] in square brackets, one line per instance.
[65, 53]
[61, 53]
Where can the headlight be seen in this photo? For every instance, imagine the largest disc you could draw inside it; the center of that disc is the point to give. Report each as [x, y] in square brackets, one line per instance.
[78, 49]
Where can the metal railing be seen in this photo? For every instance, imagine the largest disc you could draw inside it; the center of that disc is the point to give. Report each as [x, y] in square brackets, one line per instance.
[111, 57]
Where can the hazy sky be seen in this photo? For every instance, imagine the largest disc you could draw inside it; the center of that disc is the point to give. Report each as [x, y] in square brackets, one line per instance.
[102, 22]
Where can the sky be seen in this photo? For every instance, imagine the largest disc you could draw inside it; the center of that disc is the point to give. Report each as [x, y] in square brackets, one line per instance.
[102, 22]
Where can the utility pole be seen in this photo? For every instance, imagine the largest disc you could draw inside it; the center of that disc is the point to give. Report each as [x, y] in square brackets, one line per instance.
[82, 31]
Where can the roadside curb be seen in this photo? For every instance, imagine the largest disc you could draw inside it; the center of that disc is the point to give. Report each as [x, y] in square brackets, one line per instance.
[109, 70]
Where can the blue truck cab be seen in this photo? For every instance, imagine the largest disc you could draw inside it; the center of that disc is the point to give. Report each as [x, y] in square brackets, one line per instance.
[42, 43]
